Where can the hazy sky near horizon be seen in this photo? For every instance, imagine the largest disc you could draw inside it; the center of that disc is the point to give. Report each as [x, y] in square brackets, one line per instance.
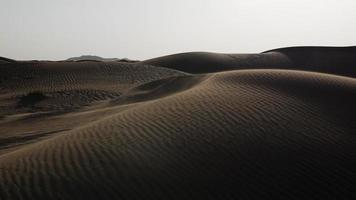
[142, 29]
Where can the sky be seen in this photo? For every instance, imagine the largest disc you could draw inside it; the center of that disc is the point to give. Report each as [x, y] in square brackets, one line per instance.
[143, 29]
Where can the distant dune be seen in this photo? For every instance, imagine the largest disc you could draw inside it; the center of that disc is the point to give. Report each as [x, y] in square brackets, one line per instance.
[69, 85]
[5, 60]
[334, 60]
[275, 125]
[205, 62]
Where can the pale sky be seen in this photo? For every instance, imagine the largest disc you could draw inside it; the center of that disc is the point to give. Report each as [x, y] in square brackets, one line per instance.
[142, 29]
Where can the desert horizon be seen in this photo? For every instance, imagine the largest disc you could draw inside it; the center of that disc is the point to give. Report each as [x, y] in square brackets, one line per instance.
[177, 100]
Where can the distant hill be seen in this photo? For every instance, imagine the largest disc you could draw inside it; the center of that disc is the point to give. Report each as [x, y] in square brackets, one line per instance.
[332, 60]
[98, 59]
[6, 60]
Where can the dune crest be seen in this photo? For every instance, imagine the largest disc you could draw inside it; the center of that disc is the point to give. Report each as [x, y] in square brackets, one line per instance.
[332, 60]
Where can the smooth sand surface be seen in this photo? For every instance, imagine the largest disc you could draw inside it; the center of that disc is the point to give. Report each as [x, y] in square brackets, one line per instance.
[332, 60]
[109, 130]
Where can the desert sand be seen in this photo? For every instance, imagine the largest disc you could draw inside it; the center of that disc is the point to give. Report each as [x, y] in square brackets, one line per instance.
[276, 125]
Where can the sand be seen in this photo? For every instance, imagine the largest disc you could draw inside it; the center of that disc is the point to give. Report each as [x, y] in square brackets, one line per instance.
[109, 130]
[332, 60]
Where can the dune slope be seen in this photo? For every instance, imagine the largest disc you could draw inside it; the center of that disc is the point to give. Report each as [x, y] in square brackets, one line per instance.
[248, 134]
[40, 99]
[66, 85]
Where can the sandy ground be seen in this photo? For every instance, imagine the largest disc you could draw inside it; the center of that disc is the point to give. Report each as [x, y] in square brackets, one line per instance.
[280, 124]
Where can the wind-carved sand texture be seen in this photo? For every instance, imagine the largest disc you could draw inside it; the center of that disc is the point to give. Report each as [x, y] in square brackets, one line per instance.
[275, 125]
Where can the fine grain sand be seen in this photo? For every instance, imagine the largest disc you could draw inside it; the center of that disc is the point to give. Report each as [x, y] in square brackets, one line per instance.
[275, 125]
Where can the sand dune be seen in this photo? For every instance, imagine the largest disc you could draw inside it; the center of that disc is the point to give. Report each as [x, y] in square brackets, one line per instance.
[65, 85]
[334, 60]
[108, 130]
[205, 62]
[5, 60]
[35, 92]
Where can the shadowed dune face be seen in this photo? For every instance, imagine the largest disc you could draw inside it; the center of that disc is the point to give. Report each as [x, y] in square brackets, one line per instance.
[333, 60]
[110, 130]
[204, 62]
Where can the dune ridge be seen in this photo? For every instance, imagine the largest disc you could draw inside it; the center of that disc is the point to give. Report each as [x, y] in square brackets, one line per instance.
[332, 60]
[170, 134]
